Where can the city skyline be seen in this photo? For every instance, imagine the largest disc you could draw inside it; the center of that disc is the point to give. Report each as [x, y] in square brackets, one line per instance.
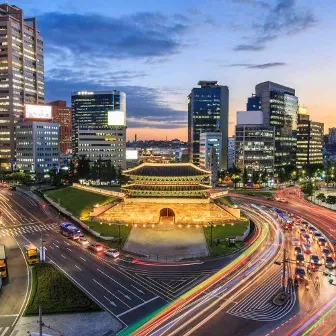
[155, 69]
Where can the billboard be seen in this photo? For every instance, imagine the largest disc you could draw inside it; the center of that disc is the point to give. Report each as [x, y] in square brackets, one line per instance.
[116, 118]
[131, 154]
[38, 112]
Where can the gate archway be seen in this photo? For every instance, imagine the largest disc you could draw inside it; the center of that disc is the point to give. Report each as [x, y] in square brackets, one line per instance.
[167, 215]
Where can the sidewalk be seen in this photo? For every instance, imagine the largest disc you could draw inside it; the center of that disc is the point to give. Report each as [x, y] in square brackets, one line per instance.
[85, 324]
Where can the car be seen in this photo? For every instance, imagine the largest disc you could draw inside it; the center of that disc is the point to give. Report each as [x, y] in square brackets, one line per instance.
[97, 247]
[297, 250]
[296, 241]
[305, 224]
[311, 229]
[83, 241]
[300, 259]
[316, 235]
[322, 241]
[13, 188]
[330, 262]
[300, 273]
[302, 231]
[307, 248]
[112, 253]
[315, 261]
[325, 253]
[306, 237]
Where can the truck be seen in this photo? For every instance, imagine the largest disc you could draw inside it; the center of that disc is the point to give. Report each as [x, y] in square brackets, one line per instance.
[32, 255]
[3, 262]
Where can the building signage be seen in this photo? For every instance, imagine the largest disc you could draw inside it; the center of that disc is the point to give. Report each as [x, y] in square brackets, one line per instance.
[116, 118]
[39, 112]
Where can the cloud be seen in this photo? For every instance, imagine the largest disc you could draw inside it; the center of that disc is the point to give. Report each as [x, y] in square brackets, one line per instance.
[128, 37]
[258, 66]
[145, 106]
[257, 3]
[282, 19]
[248, 47]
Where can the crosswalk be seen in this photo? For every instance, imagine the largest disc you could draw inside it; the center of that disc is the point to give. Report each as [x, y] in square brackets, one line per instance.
[26, 229]
[258, 305]
[8, 331]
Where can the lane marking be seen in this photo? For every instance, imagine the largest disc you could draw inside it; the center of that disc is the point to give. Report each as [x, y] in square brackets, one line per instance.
[63, 256]
[111, 293]
[5, 331]
[77, 267]
[140, 305]
[69, 249]
[139, 290]
[82, 258]
[120, 285]
[126, 296]
[111, 302]
[88, 293]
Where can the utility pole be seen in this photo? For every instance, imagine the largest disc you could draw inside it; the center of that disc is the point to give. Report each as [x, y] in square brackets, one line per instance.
[40, 320]
[284, 270]
[211, 226]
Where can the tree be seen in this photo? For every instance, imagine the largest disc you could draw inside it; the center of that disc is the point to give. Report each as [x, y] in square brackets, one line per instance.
[331, 200]
[20, 177]
[235, 179]
[83, 168]
[245, 177]
[281, 175]
[321, 197]
[264, 176]
[308, 188]
[255, 177]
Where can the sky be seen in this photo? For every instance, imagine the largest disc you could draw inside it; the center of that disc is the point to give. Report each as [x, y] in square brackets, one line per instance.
[157, 51]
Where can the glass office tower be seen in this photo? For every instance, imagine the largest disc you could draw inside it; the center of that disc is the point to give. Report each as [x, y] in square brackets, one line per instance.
[279, 106]
[99, 125]
[208, 111]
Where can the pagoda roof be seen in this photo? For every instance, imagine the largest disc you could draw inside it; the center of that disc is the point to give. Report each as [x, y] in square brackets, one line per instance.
[198, 187]
[166, 169]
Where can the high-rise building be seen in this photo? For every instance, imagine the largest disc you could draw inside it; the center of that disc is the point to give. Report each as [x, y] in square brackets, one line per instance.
[37, 146]
[279, 106]
[309, 141]
[208, 111]
[253, 103]
[231, 152]
[332, 136]
[254, 143]
[210, 141]
[62, 115]
[99, 126]
[21, 74]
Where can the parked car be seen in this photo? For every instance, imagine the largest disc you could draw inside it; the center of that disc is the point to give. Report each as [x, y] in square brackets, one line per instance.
[97, 247]
[297, 250]
[296, 241]
[112, 253]
[325, 253]
[83, 241]
[311, 229]
[330, 262]
[306, 237]
[316, 235]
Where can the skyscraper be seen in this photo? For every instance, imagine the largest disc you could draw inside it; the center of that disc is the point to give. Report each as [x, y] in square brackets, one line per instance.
[279, 106]
[309, 140]
[99, 125]
[208, 111]
[62, 114]
[21, 74]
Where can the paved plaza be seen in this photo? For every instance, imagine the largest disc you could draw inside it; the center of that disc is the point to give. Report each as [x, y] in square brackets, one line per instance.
[167, 242]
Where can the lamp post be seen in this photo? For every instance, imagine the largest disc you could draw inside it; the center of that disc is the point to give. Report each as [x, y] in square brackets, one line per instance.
[211, 227]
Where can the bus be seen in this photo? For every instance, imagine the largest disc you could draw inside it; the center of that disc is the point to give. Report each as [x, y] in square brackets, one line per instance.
[3, 262]
[32, 255]
[287, 222]
[70, 231]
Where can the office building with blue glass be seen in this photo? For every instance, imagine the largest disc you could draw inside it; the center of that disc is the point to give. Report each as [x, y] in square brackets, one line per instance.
[99, 126]
[208, 111]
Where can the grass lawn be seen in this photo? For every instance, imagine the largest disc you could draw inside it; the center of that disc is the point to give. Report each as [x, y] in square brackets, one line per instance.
[253, 191]
[78, 202]
[226, 200]
[112, 230]
[56, 293]
[222, 232]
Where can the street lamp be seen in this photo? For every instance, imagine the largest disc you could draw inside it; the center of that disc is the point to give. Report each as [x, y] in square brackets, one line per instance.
[211, 227]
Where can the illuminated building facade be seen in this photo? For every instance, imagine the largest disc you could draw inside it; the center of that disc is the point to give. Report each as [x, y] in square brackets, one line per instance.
[254, 143]
[99, 125]
[166, 180]
[309, 140]
[210, 141]
[21, 74]
[279, 106]
[208, 111]
[37, 146]
[231, 152]
[62, 115]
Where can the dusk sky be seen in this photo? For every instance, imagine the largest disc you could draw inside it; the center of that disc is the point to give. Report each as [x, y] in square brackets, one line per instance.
[157, 50]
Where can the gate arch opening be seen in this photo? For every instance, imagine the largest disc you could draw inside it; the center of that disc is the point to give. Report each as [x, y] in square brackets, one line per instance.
[167, 215]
